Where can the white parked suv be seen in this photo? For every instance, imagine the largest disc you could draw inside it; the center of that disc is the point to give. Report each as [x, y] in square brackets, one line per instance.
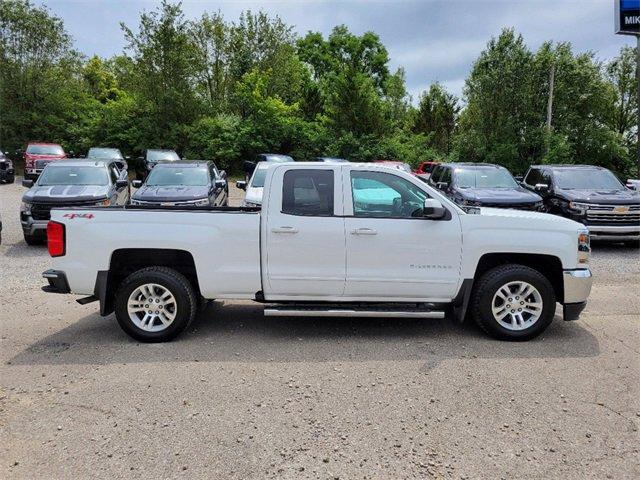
[330, 240]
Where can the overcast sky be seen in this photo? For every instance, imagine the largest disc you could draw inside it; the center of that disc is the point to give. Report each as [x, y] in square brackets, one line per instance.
[432, 40]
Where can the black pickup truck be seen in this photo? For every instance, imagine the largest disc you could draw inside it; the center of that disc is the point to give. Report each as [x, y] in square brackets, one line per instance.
[590, 195]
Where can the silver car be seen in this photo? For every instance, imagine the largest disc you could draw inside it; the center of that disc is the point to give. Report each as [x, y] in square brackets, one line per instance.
[71, 183]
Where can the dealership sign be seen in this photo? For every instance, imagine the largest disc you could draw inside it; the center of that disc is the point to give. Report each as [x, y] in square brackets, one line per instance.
[628, 17]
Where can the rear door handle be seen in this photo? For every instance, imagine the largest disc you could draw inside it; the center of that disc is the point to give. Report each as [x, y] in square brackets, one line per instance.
[284, 230]
[364, 231]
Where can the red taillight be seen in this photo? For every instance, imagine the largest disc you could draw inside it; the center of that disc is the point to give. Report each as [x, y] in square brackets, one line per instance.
[55, 239]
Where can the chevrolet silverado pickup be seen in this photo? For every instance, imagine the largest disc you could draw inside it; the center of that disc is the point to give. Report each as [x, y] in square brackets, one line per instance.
[338, 240]
[589, 195]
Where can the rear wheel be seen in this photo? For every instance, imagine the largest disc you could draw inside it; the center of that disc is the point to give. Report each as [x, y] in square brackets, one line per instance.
[10, 178]
[513, 302]
[155, 304]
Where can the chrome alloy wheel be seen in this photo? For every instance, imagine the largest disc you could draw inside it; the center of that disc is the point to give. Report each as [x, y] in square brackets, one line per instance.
[517, 305]
[152, 307]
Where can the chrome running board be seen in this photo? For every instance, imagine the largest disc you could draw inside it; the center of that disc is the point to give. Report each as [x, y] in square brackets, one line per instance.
[345, 312]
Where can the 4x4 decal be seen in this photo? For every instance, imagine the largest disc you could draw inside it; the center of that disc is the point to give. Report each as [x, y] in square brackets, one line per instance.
[71, 216]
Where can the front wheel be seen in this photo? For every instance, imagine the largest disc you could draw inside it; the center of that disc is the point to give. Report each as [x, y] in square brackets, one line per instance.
[513, 302]
[155, 304]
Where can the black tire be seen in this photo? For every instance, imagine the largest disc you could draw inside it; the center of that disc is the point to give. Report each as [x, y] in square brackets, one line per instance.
[33, 240]
[488, 286]
[176, 283]
[10, 178]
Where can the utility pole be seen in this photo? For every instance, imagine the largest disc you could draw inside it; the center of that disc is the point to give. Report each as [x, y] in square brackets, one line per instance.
[552, 74]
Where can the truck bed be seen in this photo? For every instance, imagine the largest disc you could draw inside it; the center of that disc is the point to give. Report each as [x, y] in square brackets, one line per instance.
[223, 241]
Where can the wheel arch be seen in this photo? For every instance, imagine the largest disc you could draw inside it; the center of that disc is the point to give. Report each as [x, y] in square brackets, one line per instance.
[549, 266]
[125, 261]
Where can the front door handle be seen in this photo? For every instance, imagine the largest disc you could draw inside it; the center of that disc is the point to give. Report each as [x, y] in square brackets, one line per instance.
[364, 231]
[284, 230]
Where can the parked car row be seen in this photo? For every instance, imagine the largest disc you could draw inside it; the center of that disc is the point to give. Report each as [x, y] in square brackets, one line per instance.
[587, 194]
[590, 195]
[105, 182]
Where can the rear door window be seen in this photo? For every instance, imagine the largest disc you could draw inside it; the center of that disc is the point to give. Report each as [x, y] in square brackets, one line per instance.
[308, 192]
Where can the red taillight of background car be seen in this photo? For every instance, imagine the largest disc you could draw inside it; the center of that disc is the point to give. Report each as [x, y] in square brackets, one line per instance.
[56, 239]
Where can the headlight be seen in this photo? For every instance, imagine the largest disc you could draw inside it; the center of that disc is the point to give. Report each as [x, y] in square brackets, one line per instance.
[584, 246]
[578, 207]
[25, 208]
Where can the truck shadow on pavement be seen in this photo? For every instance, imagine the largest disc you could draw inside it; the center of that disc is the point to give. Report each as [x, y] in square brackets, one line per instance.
[239, 333]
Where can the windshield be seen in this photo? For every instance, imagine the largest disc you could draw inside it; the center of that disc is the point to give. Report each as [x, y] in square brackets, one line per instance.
[257, 181]
[165, 177]
[586, 179]
[45, 150]
[104, 153]
[73, 176]
[484, 178]
[158, 155]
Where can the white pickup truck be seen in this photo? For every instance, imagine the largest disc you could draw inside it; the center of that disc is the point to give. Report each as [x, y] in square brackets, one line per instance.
[330, 240]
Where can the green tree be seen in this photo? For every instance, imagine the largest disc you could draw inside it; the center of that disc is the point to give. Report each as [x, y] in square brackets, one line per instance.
[621, 73]
[437, 115]
[496, 120]
[41, 93]
[164, 75]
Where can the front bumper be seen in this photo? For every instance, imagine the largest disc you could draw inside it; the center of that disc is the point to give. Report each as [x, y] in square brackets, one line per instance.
[577, 286]
[33, 227]
[6, 173]
[33, 172]
[614, 232]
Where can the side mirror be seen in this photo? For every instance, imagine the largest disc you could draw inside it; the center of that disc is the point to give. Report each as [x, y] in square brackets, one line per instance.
[221, 183]
[136, 183]
[519, 178]
[223, 174]
[122, 183]
[241, 184]
[433, 209]
[541, 187]
[27, 183]
[442, 185]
